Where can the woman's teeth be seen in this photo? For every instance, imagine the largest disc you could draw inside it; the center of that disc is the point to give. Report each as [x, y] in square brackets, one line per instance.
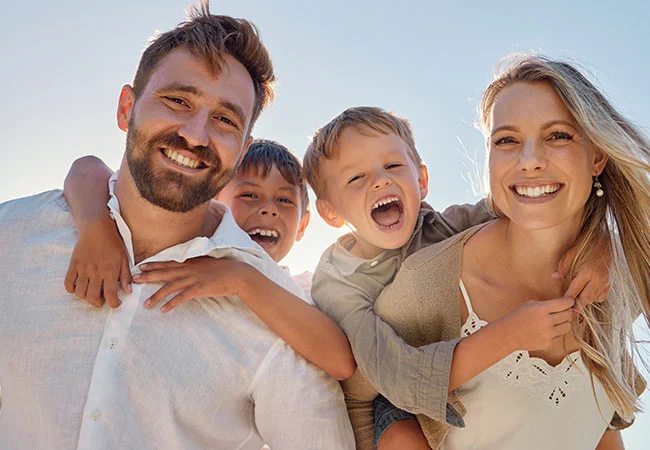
[537, 191]
[181, 160]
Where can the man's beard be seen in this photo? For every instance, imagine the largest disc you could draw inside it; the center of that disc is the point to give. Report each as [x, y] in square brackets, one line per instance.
[165, 188]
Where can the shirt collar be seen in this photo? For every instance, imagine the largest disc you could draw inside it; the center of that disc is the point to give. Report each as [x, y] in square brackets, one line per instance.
[227, 235]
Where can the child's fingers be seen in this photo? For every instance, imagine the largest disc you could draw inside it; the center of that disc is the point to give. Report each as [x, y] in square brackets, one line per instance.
[158, 275]
[165, 292]
[70, 277]
[94, 292]
[577, 285]
[125, 276]
[179, 299]
[559, 304]
[81, 286]
[110, 294]
[160, 265]
[562, 316]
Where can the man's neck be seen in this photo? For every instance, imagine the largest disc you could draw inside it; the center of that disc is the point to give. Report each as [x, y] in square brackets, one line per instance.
[154, 229]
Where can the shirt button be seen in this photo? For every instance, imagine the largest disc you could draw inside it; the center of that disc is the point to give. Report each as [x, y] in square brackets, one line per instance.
[374, 263]
[96, 414]
[112, 343]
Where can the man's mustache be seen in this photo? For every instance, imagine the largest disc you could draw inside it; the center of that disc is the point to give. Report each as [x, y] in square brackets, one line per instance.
[205, 153]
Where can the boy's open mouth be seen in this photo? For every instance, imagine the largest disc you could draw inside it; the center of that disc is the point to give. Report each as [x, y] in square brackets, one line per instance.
[266, 237]
[387, 212]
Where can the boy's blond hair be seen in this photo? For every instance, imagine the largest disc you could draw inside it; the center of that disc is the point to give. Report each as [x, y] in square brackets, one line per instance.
[365, 119]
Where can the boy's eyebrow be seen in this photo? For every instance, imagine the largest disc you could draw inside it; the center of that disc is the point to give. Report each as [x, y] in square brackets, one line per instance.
[289, 187]
[189, 89]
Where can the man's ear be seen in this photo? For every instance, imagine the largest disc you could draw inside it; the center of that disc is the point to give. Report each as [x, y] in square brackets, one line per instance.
[125, 107]
[302, 226]
[327, 212]
[600, 161]
[423, 181]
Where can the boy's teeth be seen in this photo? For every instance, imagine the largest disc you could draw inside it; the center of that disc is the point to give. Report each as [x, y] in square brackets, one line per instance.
[536, 191]
[181, 160]
[263, 232]
[384, 202]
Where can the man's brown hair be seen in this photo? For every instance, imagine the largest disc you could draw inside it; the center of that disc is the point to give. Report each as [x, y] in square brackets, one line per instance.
[210, 37]
[365, 119]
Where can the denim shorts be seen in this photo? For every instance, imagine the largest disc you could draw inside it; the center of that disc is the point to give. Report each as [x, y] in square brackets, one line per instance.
[386, 414]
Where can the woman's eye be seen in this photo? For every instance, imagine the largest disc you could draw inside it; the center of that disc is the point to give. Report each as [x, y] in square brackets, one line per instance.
[561, 136]
[505, 141]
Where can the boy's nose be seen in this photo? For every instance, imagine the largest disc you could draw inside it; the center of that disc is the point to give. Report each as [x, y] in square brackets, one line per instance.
[269, 209]
[382, 182]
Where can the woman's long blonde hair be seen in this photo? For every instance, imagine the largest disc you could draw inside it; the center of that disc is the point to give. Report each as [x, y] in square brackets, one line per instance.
[621, 216]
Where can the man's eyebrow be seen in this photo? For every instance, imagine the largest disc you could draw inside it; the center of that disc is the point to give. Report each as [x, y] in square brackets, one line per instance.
[227, 104]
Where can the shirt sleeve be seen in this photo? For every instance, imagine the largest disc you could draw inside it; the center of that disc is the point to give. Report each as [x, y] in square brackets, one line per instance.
[298, 406]
[414, 379]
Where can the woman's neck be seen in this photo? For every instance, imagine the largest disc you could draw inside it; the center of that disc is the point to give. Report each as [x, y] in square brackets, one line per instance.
[532, 256]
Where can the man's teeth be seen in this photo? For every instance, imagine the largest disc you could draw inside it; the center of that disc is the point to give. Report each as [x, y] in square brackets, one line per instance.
[180, 159]
[384, 202]
[263, 232]
[537, 191]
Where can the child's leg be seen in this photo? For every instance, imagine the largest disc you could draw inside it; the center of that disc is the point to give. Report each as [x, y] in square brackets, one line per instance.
[396, 429]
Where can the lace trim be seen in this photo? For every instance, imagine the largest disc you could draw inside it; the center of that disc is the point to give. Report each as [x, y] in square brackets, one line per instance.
[533, 374]
[539, 378]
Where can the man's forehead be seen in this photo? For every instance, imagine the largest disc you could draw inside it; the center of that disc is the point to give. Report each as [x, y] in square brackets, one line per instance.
[181, 67]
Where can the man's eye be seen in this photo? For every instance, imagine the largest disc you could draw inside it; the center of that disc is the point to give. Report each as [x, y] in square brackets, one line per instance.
[176, 100]
[394, 165]
[227, 121]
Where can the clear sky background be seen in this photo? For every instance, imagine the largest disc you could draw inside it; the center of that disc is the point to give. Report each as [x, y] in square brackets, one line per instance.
[63, 64]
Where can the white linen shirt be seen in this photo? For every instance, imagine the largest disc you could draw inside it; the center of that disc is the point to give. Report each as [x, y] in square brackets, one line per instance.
[210, 374]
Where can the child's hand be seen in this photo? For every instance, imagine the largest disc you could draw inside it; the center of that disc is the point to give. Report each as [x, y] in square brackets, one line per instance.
[592, 281]
[98, 263]
[194, 278]
[536, 324]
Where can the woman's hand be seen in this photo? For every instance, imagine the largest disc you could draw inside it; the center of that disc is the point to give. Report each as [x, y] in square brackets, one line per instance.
[195, 278]
[99, 264]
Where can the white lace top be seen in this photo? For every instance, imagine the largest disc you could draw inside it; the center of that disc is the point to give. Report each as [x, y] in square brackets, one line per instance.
[522, 402]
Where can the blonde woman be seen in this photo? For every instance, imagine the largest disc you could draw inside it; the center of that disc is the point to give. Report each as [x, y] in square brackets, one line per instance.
[565, 169]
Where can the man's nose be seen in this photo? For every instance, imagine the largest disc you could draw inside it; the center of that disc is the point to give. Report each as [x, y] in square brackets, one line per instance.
[195, 129]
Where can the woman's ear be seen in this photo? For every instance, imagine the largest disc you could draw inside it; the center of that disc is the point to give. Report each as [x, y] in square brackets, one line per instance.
[327, 212]
[600, 161]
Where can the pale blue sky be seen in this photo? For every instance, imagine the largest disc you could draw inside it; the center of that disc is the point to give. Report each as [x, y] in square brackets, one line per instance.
[64, 63]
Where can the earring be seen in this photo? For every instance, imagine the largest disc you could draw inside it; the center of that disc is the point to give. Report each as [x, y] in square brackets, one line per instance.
[599, 187]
